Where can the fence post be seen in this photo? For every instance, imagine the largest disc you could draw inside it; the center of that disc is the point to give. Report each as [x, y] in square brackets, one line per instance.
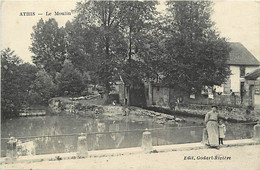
[147, 141]
[11, 153]
[82, 149]
[257, 132]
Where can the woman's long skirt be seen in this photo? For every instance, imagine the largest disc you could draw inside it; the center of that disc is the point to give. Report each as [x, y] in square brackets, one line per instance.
[212, 128]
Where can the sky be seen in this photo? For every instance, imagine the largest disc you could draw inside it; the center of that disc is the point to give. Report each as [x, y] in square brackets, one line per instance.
[239, 21]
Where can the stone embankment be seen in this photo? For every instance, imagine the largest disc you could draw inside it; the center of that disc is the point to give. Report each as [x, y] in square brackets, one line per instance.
[83, 108]
[72, 107]
[161, 117]
[226, 113]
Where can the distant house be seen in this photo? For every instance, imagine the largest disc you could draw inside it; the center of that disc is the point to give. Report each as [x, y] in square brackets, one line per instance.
[128, 94]
[241, 62]
[122, 90]
[157, 94]
[252, 83]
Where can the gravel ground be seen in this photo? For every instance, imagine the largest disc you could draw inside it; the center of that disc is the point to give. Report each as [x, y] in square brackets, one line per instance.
[237, 158]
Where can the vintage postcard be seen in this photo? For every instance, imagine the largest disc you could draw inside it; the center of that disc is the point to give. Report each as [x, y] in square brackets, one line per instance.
[132, 84]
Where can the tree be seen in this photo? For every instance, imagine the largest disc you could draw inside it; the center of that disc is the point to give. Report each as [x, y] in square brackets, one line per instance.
[119, 31]
[16, 82]
[44, 86]
[195, 53]
[81, 45]
[27, 76]
[48, 46]
[70, 79]
[9, 83]
[109, 49]
[138, 23]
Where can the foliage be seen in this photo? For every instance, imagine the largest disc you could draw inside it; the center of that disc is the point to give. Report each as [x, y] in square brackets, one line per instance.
[102, 18]
[81, 45]
[9, 72]
[70, 79]
[119, 32]
[138, 23]
[110, 40]
[44, 86]
[195, 53]
[27, 77]
[16, 82]
[137, 20]
[48, 46]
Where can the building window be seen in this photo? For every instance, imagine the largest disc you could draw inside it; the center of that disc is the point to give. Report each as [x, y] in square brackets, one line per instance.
[242, 71]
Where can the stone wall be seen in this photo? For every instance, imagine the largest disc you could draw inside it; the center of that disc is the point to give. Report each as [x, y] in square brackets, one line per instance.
[161, 96]
[227, 113]
[59, 105]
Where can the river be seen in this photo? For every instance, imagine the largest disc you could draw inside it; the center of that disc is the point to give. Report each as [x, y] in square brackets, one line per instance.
[187, 131]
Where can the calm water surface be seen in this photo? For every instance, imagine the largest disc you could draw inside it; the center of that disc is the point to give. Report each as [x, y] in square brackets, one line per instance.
[170, 133]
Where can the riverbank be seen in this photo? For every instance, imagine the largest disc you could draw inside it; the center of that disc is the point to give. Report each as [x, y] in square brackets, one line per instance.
[229, 114]
[89, 108]
[95, 107]
[236, 157]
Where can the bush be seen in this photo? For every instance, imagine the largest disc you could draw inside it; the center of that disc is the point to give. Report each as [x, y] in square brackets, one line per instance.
[34, 98]
[44, 86]
[69, 79]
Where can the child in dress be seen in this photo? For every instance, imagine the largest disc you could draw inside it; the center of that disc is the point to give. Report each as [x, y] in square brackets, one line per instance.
[222, 131]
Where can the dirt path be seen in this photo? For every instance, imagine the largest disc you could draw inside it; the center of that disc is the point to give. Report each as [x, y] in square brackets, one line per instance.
[237, 158]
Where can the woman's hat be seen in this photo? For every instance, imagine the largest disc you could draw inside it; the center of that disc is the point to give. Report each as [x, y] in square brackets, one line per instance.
[214, 106]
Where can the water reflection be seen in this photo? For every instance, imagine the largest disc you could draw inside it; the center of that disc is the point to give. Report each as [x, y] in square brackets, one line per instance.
[65, 124]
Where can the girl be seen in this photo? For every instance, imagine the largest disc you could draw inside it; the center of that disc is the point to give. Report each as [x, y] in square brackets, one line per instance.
[222, 131]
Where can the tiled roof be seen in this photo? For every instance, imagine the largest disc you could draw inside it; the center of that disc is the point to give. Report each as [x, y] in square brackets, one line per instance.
[239, 55]
[253, 75]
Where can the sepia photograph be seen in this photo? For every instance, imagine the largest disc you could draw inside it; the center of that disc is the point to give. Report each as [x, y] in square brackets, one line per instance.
[130, 84]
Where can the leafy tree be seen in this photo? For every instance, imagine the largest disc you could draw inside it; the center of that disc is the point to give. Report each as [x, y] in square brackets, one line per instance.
[9, 83]
[81, 45]
[119, 31]
[70, 79]
[48, 46]
[16, 82]
[195, 53]
[138, 24]
[44, 86]
[109, 45]
[136, 21]
[27, 76]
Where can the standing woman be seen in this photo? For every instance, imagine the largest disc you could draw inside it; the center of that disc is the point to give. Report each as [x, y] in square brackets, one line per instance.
[211, 121]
